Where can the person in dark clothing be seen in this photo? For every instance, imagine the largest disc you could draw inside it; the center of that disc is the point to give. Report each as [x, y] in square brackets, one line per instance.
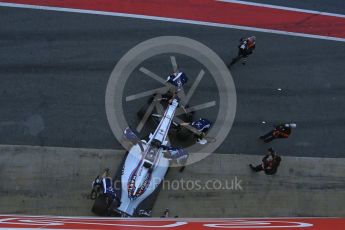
[270, 163]
[166, 213]
[199, 128]
[279, 131]
[245, 48]
[177, 79]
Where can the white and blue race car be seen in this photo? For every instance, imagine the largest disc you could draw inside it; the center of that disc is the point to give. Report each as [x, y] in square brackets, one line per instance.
[143, 170]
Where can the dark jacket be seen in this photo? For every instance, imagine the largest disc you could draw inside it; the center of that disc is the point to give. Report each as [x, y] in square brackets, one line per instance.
[271, 165]
[282, 131]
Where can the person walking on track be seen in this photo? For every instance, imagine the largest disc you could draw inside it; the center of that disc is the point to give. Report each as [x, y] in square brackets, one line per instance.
[279, 131]
[245, 48]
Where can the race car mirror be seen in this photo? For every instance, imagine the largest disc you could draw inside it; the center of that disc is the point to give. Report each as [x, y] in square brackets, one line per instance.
[131, 136]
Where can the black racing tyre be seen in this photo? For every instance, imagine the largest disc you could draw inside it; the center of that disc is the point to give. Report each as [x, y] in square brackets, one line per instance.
[100, 206]
[112, 208]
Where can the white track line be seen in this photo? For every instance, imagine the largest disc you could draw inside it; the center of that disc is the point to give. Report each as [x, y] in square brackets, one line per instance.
[283, 8]
[61, 9]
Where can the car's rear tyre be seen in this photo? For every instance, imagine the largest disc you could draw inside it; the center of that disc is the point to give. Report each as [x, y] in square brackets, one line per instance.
[100, 206]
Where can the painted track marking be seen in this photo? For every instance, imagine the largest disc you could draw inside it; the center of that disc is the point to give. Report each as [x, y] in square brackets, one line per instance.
[234, 15]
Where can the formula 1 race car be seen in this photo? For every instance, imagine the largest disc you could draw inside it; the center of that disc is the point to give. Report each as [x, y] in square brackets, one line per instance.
[142, 172]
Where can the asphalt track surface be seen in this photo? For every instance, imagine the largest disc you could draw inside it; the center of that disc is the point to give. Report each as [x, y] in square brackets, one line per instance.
[54, 68]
